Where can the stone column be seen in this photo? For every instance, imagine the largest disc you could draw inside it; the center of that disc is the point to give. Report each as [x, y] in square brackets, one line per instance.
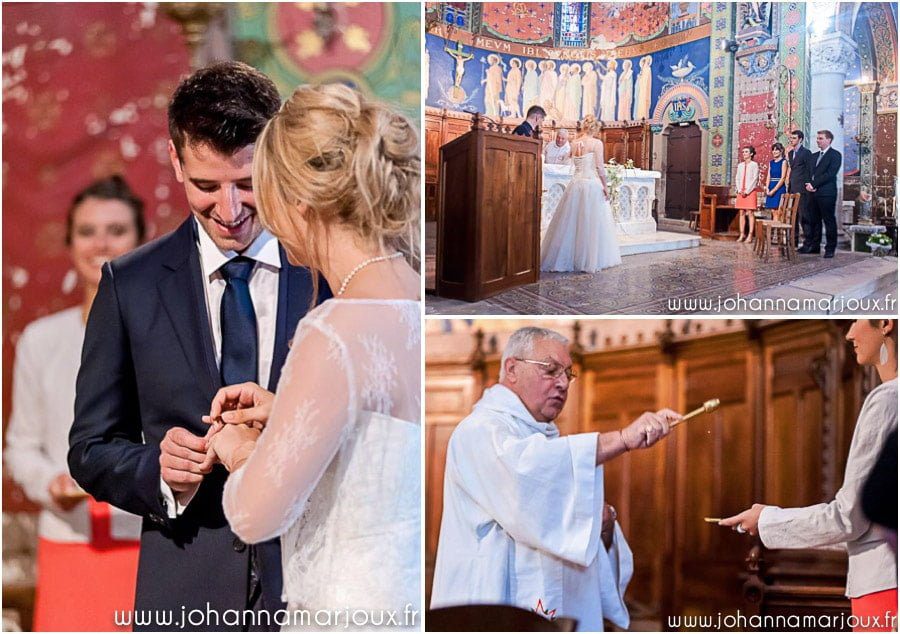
[831, 56]
[867, 93]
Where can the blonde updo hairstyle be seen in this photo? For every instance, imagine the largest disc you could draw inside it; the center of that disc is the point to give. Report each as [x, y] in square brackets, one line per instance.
[351, 161]
[590, 126]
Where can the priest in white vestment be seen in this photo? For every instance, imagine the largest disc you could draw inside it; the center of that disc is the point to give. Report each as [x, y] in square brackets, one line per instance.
[559, 152]
[523, 506]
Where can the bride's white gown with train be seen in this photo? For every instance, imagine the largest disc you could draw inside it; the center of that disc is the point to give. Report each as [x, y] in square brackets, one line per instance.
[336, 471]
[582, 233]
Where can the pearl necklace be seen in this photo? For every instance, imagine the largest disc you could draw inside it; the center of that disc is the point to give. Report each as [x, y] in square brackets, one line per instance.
[359, 267]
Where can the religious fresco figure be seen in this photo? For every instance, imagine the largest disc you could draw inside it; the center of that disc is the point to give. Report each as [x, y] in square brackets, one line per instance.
[548, 84]
[642, 89]
[562, 94]
[608, 92]
[456, 92]
[532, 85]
[493, 82]
[513, 87]
[573, 94]
[589, 90]
[626, 90]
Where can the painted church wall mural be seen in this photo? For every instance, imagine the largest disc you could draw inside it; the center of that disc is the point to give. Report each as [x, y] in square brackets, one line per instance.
[659, 86]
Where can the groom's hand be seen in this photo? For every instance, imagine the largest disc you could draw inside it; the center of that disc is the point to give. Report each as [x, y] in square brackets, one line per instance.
[183, 460]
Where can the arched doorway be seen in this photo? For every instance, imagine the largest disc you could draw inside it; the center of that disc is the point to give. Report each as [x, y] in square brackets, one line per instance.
[682, 171]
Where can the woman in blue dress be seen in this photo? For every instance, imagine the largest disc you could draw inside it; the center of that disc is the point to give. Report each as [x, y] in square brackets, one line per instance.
[776, 183]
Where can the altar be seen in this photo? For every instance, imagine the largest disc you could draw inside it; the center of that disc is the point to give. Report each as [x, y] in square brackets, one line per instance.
[632, 206]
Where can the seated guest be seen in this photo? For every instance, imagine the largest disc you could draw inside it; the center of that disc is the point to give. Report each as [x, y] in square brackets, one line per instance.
[558, 152]
[533, 119]
[872, 572]
[77, 536]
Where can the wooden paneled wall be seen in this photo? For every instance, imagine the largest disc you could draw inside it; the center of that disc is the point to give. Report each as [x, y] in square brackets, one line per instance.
[790, 395]
[441, 126]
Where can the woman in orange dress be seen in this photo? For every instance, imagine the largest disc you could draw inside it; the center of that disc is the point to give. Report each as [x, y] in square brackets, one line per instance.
[87, 550]
[745, 182]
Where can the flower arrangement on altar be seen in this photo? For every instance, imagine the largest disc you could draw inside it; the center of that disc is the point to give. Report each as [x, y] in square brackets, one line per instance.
[614, 173]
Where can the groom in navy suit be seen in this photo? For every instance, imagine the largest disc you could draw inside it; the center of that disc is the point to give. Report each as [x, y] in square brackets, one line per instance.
[213, 303]
[826, 164]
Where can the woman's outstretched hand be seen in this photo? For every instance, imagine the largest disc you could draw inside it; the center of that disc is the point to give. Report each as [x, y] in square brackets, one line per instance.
[746, 522]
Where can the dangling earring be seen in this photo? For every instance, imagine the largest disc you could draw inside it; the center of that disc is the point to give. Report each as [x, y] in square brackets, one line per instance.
[883, 352]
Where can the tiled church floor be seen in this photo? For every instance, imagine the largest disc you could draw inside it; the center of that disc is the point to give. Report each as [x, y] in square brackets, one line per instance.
[652, 283]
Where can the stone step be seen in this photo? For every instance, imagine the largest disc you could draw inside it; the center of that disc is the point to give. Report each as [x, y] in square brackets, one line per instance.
[864, 287]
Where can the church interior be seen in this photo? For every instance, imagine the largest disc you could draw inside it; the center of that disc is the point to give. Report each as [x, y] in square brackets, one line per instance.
[790, 392]
[678, 88]
[85, 92]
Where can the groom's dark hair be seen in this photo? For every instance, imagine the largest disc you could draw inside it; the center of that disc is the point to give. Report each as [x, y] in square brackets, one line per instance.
[535, 110]
[225, 106]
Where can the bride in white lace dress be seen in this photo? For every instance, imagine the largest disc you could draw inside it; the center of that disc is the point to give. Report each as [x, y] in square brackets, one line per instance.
[335, 471]
[582, 233]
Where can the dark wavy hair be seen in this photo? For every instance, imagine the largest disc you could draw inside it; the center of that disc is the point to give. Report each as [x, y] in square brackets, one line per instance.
[110, 188]
[225, 106]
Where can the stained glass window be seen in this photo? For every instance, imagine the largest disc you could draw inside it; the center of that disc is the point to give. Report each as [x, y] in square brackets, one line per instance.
[571, 22]
[456, 14]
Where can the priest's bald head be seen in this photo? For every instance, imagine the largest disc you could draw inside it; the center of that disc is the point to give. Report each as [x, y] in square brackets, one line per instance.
[537, 367]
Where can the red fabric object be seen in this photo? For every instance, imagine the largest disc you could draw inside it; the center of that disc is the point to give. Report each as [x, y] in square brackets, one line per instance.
[80, 586]
[876, 605]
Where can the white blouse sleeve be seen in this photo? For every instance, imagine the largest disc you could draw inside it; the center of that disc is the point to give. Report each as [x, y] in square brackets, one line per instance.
[26, 455]
[314, 408]
[842, 519]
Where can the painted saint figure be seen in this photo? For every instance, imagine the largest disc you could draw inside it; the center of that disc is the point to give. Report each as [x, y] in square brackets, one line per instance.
[532, 85]
[626, 90]
[561, 96]
[548, 83]
[573, 94]
[493, 82]
[589, 92]
[513, 87]
[608, 92]
[642, 89]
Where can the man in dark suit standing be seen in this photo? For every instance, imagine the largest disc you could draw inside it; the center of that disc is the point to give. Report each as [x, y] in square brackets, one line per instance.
[213, 303]
[799, 161]
[823, 187]
[533, 120]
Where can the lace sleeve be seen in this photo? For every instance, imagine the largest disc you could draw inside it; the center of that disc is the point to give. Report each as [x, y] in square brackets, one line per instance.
[314, 407]
[598, 160]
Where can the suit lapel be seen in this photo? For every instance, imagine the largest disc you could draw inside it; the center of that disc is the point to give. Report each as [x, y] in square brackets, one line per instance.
[293, 299]
[181, 294]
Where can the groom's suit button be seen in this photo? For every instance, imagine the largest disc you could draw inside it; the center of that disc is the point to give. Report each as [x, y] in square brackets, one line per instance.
[238, 545]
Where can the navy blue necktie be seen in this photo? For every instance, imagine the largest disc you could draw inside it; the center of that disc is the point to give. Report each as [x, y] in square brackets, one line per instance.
[238, 320]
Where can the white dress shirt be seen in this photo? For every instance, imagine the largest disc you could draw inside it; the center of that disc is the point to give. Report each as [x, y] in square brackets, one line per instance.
[264, 294]
[48, 356]
[556, 155]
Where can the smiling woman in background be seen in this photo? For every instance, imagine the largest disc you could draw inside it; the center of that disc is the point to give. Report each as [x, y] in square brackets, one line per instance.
[76, 533]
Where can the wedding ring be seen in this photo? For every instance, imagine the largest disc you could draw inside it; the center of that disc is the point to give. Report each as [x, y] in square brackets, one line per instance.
[740, 529]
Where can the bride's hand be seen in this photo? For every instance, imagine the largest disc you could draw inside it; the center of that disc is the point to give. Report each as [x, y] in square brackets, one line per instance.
[233, 444]
[244, 403]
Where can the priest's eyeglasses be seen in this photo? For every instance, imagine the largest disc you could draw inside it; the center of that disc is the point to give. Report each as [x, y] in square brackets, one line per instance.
[553, 370]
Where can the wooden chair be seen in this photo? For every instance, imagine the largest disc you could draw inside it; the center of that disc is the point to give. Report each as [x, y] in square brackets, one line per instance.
[760, 233]
[493, 618]
[717, 212]
[782, 232]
